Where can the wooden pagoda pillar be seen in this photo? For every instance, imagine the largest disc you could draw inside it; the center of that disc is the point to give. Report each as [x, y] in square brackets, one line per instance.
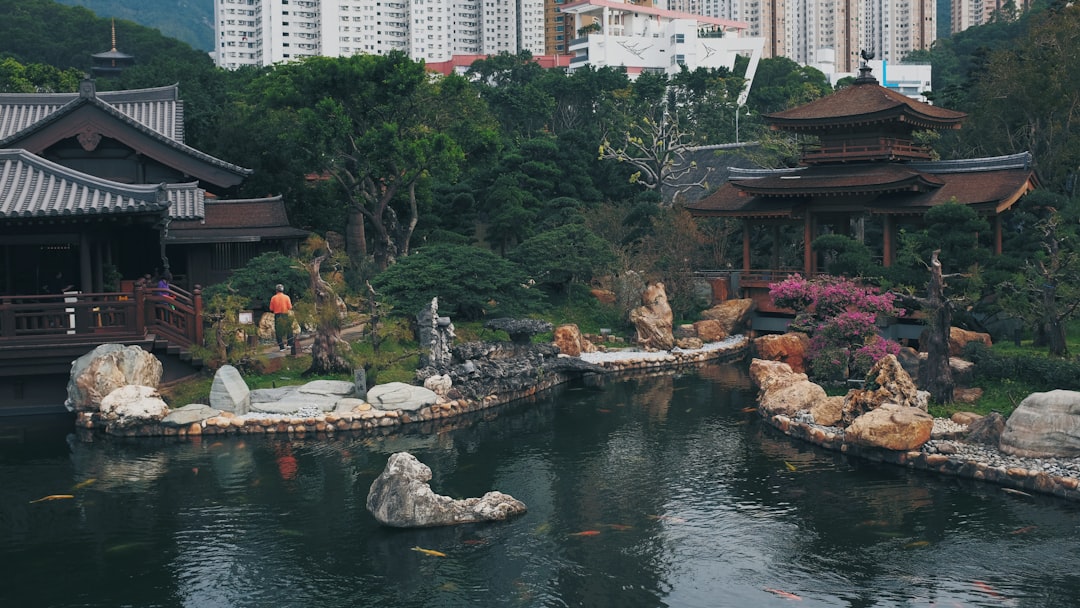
[887, 240]
[808, 237]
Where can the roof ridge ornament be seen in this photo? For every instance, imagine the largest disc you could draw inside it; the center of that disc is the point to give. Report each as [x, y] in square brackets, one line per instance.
[865, 76]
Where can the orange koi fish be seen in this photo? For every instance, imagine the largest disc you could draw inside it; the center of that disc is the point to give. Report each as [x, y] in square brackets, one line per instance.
[586, 533]
[431, 552]
[604, 411]
[747, 410]
[987, 589]
[51, 497]
[784, 594]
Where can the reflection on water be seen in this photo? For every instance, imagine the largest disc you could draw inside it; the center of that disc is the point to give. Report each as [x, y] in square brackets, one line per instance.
[649, 491]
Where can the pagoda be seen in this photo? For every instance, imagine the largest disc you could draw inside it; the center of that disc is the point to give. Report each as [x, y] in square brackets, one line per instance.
[111, 62]
[866, 167]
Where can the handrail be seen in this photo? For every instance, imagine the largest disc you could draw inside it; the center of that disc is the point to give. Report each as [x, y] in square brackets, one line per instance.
[57, 318]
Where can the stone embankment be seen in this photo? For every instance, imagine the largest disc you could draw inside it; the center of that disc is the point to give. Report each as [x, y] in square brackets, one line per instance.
[350, 414]
[947, 454]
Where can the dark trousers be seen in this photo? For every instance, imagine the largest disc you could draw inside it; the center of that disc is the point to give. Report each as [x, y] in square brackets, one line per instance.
[283, 329]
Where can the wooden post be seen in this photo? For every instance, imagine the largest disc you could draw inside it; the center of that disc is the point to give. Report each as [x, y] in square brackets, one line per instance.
[746, 246]
[140, 306]
[197, 303]
[887, 238]
[808, 235]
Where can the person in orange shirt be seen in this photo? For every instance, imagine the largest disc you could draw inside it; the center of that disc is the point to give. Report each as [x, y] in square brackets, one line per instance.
[280, 305]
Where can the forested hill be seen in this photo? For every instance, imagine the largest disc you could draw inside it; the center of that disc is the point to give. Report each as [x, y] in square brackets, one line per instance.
[189, 20]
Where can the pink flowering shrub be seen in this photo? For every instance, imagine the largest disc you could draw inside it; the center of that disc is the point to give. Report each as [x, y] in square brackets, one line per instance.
[840, 316]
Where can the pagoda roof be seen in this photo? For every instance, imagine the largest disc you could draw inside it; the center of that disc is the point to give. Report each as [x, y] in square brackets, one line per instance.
[33, 187]
[990, 185]
[88, 112]
[237, 220]
[865, 102]
[158, 108]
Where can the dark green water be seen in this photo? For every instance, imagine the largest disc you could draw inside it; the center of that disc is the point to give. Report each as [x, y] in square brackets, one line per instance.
[687, 501]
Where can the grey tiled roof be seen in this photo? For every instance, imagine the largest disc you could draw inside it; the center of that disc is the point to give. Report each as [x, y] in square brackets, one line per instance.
[108, 108]
[186, 201]
[159, 109]
[32, 187]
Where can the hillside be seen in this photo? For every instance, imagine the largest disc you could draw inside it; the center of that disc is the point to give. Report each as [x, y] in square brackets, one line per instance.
[191, 21]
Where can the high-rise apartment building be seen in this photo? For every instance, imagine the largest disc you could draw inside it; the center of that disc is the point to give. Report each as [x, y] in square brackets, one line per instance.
[969, 13]
[264, 32]
[830, 31]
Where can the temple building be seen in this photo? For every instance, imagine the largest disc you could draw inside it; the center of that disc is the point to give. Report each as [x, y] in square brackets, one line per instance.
[866, 167]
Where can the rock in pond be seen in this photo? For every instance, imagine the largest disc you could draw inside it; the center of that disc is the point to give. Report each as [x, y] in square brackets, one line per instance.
[401, 396]
[401, 498]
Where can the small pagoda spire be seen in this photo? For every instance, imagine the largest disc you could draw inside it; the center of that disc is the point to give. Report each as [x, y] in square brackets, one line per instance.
[111, 62]
[865, 76]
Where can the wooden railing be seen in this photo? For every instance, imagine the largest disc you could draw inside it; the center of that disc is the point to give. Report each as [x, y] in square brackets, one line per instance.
[175, 314]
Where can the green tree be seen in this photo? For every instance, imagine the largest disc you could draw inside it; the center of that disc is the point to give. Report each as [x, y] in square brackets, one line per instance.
[379, 127]
[470, 283]
[37, 78]
[564, 255]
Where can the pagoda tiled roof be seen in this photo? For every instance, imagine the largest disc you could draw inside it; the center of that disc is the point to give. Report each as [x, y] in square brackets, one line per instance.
[33, 187]
[861, 103]
[987, 184]
[158, 108]
[237, 220]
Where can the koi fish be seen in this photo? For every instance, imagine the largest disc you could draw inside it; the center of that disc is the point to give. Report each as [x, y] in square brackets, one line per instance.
[1023, 530]
[784, 594]
[84, 484]
[51, 497]
[604, 411]
[748, 410]
[789, 466]
[918, 543]
[1015, 492]
[586, 533]
[877, 523]
[543, 528]
[431, 552]
[194, 470]
[987, 589]
[620, 527]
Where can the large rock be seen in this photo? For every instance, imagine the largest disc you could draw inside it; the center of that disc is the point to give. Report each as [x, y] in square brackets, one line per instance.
[570, 341]
[789, 348]
[400, 396]
[653, 319]
[401, 497]
[828, 411]
[886, 382]
[959, 338]
[189, 414]
[1044, 425]
[132, 404]
[783, 391]
[107, 368]
[229, 392]
[710, 330]
[892, 427]
[732, 314]
[986, 429]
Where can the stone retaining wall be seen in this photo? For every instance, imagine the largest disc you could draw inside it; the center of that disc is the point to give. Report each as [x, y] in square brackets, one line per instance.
[1016, 478]
[368, 419]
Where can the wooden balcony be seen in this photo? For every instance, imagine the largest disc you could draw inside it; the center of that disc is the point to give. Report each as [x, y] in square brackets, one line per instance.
[864, 149]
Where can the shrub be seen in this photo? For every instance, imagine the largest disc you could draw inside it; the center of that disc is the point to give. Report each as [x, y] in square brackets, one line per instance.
[840, 316]
[1039, 369]
[254, 283]
[470, 283]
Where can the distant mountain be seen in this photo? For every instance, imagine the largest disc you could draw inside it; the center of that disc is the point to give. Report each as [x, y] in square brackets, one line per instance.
[191, 21]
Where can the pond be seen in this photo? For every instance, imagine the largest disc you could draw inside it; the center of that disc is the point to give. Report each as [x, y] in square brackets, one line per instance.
[648, 491]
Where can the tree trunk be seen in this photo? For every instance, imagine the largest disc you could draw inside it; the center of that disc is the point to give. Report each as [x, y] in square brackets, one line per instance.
[355, 237]
[935, 375]
[325, 355]
[1053, 328]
